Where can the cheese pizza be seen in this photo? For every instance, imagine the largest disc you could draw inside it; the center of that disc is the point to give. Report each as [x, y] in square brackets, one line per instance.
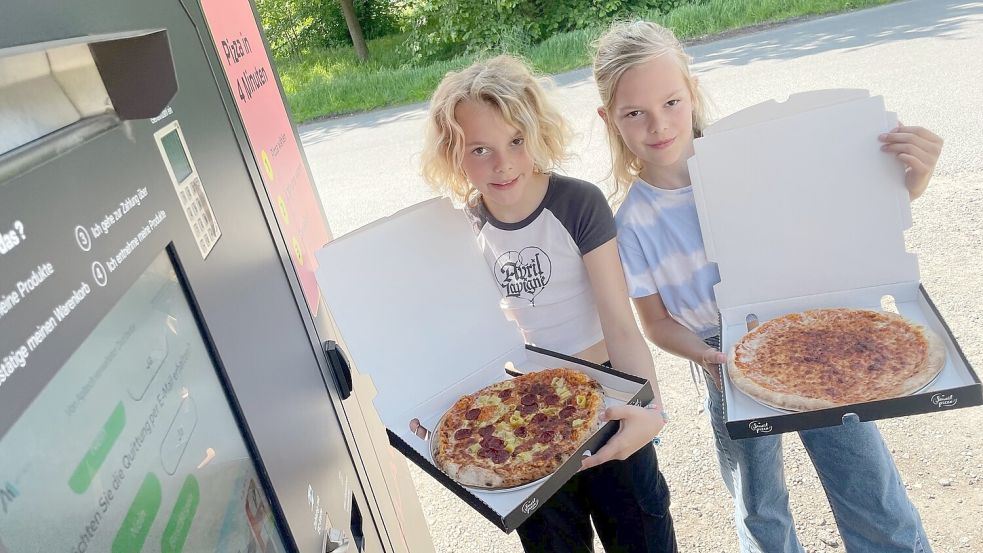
[830, 357]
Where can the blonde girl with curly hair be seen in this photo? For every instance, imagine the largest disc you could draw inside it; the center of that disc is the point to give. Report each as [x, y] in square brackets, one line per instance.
[494, 143]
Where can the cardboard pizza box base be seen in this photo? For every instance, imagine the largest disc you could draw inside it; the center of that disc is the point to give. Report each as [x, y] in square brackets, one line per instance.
[800, 209]
[507, 509]
[957, 385]
[417, 311]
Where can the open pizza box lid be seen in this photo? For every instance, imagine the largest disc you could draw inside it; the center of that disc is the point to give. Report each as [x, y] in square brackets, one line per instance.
[417, 311]
[800, 209]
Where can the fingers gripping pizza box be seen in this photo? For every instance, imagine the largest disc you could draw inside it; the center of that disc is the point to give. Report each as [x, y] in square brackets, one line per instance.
[417, 311]
[804, 216]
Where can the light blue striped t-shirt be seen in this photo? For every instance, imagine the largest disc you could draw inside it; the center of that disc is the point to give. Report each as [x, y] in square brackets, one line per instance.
[662, 253]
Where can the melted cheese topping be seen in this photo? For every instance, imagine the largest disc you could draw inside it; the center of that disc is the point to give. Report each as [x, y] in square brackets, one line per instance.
[841, 355]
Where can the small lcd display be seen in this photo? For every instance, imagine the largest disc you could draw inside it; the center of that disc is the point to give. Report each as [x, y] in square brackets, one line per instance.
[176, 156]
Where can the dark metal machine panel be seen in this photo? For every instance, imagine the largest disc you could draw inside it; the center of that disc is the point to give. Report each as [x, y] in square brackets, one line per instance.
[90, 221]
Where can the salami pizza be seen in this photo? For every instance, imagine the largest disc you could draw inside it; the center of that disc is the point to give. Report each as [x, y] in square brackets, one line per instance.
[830, 357]
[519, 430]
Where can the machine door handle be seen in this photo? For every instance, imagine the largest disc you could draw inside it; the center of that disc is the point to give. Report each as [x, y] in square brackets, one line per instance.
[339, 366]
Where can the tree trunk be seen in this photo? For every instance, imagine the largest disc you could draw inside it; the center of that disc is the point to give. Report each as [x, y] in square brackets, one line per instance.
[355, 30]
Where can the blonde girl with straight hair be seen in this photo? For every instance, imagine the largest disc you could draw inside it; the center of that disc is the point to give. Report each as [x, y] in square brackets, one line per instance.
[653, 110]
[636, 44]
[494, 142]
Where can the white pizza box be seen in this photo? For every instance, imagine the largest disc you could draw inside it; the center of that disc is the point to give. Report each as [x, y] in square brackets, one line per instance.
[417, 311]
[800, 209]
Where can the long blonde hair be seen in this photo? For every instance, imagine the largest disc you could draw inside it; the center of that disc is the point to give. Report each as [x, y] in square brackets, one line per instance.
[507, 84]
[623, 46]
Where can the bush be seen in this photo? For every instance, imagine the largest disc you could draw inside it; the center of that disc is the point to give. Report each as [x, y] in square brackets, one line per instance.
[443, 28]
[294, 26]
[287, 24]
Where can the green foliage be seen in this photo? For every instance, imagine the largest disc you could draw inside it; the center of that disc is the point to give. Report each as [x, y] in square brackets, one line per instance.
[377, 17]
[287, 24]
[331, 81]
[295, 26]
[442, 28]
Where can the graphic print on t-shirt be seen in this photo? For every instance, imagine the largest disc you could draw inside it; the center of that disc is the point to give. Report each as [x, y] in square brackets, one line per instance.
[523, 274]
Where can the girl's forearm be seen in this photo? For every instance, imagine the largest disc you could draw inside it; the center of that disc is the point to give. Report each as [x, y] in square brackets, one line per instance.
[630, 354]
[678, 340]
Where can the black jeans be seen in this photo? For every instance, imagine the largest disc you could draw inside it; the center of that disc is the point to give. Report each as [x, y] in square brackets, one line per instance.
[628, 501]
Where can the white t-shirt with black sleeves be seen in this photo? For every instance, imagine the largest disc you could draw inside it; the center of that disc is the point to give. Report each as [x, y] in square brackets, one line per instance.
[538, 263]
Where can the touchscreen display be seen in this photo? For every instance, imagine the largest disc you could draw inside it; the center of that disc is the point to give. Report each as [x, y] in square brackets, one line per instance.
[133, 446]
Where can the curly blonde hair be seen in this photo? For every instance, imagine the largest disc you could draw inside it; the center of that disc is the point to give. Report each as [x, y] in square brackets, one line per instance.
[625, 45]
[507, 84]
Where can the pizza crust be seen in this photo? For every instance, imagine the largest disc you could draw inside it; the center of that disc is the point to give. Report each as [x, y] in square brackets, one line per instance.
[475, 477]
[923, 373]
[598, 423]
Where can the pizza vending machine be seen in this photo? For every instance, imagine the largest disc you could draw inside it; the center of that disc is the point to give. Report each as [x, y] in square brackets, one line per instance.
[163, 383]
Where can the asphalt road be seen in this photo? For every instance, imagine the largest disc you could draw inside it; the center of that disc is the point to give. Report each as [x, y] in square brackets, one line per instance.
[924, 57]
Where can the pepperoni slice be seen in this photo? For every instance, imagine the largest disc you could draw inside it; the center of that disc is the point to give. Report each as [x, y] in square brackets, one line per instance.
[492, 442]
[462, 434]
[521, 432]
[539, 418]
[528, 409]
[505, 394]
[528, 399]
[568, 411]
[472, 414]
[486, 431]
[552, 399]
[500, 456]
[484, 452]
[545, 437]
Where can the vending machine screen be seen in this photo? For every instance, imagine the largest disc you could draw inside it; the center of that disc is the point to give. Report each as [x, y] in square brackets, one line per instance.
[133, 445]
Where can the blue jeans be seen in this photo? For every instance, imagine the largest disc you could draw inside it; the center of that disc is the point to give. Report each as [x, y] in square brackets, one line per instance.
[862, 484]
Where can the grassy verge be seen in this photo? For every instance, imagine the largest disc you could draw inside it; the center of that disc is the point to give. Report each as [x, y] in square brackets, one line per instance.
[330, 82]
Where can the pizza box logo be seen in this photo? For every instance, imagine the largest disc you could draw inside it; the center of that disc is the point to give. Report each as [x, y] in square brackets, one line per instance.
[530, 506]
[760, 427]
[941, 400]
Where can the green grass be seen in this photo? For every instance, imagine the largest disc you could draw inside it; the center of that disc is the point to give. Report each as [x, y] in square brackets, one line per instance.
[330, 82]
